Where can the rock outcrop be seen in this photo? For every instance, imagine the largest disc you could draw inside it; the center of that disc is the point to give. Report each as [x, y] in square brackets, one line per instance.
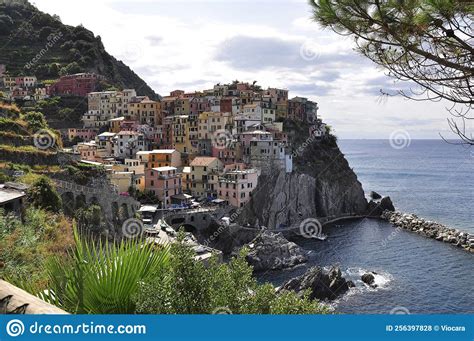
[374, 195]
[369, 279]
[323, 285]
[376, 207]
[430, 229]
[270, 251]
[321, 185]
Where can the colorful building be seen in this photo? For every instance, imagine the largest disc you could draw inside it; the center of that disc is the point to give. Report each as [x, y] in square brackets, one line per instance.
[128, 143]
[182, 127]
[79, 84]
[159, 158]
[84, 134]
[87, 150]
[26, 81]
[210, 122]
[145, 111]
[236, 185]
[204, 176]
[163, 182]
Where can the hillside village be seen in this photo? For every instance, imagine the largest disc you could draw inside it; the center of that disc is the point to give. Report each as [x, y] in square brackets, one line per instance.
[185, 149]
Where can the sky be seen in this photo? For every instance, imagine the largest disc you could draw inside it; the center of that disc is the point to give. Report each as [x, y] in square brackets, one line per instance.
[192, 45]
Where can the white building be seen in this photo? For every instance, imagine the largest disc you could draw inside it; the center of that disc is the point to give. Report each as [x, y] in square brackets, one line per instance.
[128, 143]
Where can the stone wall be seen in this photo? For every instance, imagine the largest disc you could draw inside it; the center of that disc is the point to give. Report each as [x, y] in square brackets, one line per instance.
[430, 229]
[104, 196]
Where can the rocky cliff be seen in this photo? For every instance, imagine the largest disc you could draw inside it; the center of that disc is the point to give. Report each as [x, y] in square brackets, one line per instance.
[321, 185]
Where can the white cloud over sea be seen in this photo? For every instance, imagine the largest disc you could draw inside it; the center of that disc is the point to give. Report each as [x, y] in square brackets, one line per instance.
[192, 45]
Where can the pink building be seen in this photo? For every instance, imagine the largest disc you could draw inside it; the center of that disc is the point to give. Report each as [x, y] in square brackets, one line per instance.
[163, 182]
[79, 84]
[199, 105]
[237, 184]
[26, 81]
[129, 125]
[87, 150]
[19, 93]
[85, 134]
[229, 155]
[255, 136]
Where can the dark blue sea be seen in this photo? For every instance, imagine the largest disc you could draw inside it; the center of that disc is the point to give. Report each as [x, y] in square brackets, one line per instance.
[431, 178]
[415, 274]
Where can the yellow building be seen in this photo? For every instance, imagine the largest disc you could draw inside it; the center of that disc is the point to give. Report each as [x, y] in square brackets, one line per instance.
[182, 135]
[282, 110]
[182, 106]
[121, 180]
[159, 158]
[115, 124]
[145, 111]
[204, 176]
[209, 122]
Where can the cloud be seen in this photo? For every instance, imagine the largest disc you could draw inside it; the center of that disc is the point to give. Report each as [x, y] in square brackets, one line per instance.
[311, 89]
[257, 53]
[251, 40]
[155, 40]
[387, 85]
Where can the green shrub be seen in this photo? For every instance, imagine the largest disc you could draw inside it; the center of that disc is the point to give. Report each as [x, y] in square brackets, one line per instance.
[35, 121]
[43, 195]
[189, 287]
[101, 278]
[90, 218]
[26, 245]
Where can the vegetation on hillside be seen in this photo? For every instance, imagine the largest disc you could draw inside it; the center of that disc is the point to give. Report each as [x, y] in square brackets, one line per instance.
[42, 194]
[61, 112]
[188, 286]
[28, 243]
[25, 32]
[101, 278]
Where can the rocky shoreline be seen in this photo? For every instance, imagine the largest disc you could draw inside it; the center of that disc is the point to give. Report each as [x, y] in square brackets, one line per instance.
[430, 229]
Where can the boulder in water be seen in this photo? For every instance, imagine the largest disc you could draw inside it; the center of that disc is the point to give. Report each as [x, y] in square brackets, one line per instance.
[323, 285]
[386, 204]
[369, 279]
[376, 207]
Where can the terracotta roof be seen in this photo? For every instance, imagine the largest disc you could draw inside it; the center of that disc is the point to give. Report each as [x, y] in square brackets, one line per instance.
[203, 161]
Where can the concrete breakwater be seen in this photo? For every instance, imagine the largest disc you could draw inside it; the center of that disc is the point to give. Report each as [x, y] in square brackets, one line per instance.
[430, 229]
